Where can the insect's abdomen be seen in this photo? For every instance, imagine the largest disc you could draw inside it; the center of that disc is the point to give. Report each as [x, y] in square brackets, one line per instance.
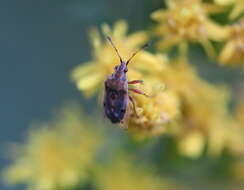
[115, 104]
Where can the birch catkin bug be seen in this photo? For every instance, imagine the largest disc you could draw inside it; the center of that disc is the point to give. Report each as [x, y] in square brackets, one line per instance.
[116, 98]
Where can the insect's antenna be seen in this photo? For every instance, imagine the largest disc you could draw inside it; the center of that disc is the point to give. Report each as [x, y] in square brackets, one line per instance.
[143, 47]
[111, 42]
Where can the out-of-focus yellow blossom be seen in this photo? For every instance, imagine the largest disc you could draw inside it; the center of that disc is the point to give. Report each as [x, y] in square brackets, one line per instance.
[187, 21]
[192, 145]
[91, 75]
[124, 175]
[153, 112]
[238, 7]
[235, 140]
[199, 99]
[195, 108]
[218, 135]
[228, 132]
[233, 51]
[202, 106]
[57, 154]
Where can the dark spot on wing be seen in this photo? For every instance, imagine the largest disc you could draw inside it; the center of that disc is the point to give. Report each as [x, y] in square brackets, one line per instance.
[113, 95]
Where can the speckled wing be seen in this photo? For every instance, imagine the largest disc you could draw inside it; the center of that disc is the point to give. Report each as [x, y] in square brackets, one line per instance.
[115, 104]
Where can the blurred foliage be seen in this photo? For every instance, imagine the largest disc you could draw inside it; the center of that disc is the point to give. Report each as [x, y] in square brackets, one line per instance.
[58, 153]
[184, 136]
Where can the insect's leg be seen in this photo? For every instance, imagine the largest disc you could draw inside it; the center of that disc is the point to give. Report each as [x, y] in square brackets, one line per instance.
[134, 105]
[135, 82]
[138, 92]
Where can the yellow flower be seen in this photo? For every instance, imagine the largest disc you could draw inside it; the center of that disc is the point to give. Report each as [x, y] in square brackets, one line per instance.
[238, 7]
[235, 140]
[203, 116]
[218, 135]
[199, 99]
[233, 51]
[228, 132]
[90, 76]
[187, 21]
[202, 107]
[155, 112]
[124, 175]
[57, 154]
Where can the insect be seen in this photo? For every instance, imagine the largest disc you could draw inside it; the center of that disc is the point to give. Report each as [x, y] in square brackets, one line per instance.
[117, 98]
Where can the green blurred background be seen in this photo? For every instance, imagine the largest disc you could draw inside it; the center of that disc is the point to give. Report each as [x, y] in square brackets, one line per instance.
[42, 41]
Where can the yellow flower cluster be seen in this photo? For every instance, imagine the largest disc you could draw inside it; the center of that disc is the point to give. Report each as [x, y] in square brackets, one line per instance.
[233, 51]
[187, 21]
[203, 106]
[238, 7]
[57, 154]
[153, 114]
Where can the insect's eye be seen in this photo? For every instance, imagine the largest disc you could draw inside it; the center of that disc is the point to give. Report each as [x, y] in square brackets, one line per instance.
[123, 111]
[125, 70]
[116, 67]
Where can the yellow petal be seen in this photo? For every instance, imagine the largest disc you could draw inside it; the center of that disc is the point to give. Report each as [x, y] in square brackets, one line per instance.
[162, 30]
[213, 9]
[217, 139]
[106, 30]
[227, 52]
[83, 69]
[237, 10]
[136, 39]
[168, 42]
[208, 47]
[159, 15]
[120, 29]
[90, 81]
[149, 62]
[216, 32]
[16, 174]
[224, 2]
[95, 38]
[171, 3]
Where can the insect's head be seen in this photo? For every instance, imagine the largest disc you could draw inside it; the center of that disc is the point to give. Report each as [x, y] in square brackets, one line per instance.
[123, 65]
